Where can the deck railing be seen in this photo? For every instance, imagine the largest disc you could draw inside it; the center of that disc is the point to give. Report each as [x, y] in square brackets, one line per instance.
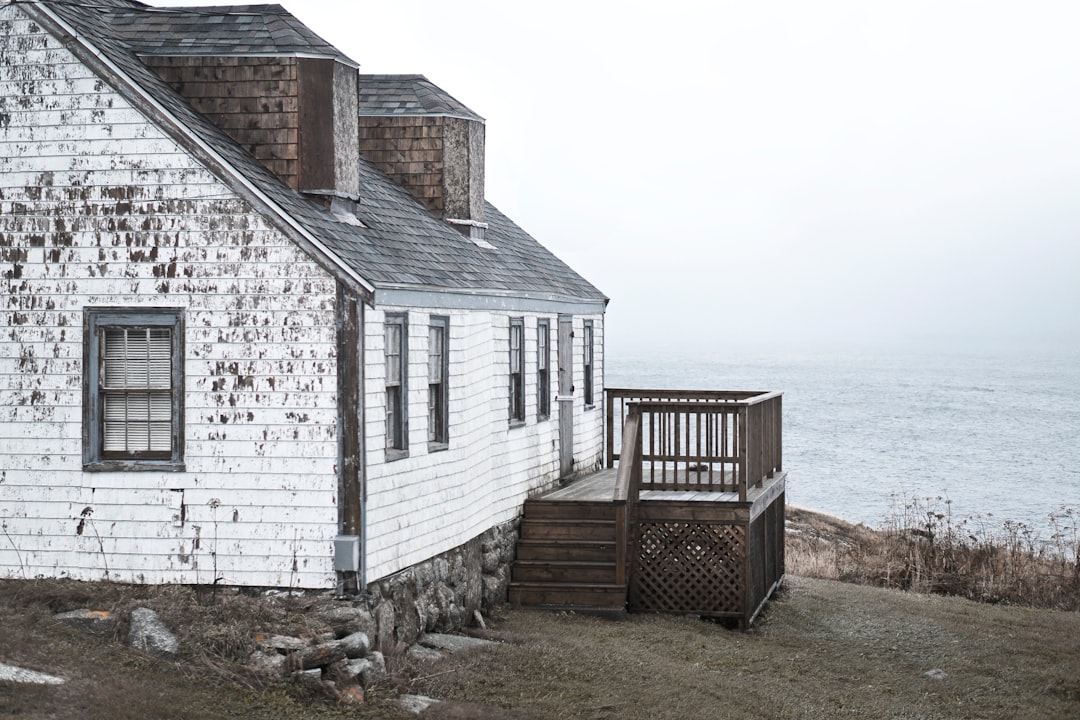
[627, 490]
[722, 441]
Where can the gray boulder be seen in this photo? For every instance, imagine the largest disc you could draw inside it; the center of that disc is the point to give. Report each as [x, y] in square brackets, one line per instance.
[149, 633]
[356, 645]
[98, 622]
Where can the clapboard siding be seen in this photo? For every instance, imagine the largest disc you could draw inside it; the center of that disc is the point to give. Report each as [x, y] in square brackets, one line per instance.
[82, 225]
[429, 502]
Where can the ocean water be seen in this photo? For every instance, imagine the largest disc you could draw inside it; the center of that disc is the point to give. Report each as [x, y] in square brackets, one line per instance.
[997, 436]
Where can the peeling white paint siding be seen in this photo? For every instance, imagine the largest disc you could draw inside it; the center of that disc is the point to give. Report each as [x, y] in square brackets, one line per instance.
[429, 502]
[82, 225]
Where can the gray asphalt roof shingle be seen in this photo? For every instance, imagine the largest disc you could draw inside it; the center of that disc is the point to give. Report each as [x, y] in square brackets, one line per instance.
[408, 95]
[219, 30]
[402, 244]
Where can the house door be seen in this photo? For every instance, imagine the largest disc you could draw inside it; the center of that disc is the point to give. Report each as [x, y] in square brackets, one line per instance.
[566, 396]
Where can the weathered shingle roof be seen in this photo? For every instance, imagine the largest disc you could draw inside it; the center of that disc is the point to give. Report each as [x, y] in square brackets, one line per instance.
[219, 30]
[402, 244]
[408, 95]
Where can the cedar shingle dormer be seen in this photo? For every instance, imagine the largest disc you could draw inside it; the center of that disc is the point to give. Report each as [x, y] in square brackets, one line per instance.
[427, 142]
[264, 78]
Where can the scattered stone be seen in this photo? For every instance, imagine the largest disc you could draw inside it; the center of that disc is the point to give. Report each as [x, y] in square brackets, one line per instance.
[454, 643]
[98, 622]
[415, 704]
[317, 656]
[308, 678]
[150, 634]
[267, 664]
[479, 618]
[356, 645]
[936, 674]
[419, 653]
[281, 642]
[347, 620]
[10, 673]
[375, 672]
[367, 671]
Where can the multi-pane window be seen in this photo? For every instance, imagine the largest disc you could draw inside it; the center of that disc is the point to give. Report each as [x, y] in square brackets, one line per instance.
[396, 335]
[517, 370]
[133, 394]
[438, 366]
[587, 340]
[543, 362]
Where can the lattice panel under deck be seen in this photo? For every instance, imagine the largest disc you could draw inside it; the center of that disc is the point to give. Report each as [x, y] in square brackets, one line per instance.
[690, 567]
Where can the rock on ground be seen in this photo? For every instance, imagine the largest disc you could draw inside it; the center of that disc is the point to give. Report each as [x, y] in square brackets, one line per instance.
[454, 643]
[10, 673]
[149, 633]
[415, 704]
[99, 622]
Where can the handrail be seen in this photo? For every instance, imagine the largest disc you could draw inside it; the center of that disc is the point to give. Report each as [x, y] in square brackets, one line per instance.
[726, 441]
[627, 492]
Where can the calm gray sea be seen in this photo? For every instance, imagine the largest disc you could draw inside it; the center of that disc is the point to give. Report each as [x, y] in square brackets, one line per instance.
[998, 435]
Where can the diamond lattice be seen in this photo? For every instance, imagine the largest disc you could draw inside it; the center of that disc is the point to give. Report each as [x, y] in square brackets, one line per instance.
[690, 567]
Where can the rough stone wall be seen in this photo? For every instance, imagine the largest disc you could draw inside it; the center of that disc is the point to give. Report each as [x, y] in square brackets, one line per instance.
[442, 593]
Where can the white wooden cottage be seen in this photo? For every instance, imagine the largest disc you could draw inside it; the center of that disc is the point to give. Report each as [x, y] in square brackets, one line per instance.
[258, 324]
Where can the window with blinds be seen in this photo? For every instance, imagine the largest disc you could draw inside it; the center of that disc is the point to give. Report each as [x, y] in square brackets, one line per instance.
[133, 389]
[136, 388]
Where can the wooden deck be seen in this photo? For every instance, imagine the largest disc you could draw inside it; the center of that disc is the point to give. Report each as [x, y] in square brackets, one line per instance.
[600, 487]
[692, 552]
[690, 520]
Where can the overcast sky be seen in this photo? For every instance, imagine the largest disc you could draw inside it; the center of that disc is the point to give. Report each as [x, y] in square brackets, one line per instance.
[773, 175]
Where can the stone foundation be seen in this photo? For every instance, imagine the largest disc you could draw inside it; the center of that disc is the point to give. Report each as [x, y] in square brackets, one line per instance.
[439, 594]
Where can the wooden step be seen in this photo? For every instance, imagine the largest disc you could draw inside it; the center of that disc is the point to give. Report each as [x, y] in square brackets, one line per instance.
[595, 595]
[559, 529]
[566, 550]
[563, 510]
[563, 572]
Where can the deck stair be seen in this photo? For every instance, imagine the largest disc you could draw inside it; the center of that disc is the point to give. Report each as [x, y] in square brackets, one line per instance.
[566, 558]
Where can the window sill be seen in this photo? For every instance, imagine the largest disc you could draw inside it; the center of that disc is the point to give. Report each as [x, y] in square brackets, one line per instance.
[393, 454]
[134, 466]
[542, 418]
[437, 446]
[517, 424]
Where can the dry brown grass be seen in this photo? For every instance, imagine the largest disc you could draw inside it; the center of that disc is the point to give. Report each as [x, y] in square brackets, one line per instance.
[821, 649]
[925, 549]
[106, 680]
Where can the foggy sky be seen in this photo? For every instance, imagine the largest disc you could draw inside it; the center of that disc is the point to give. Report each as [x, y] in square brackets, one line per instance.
[773, 175]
